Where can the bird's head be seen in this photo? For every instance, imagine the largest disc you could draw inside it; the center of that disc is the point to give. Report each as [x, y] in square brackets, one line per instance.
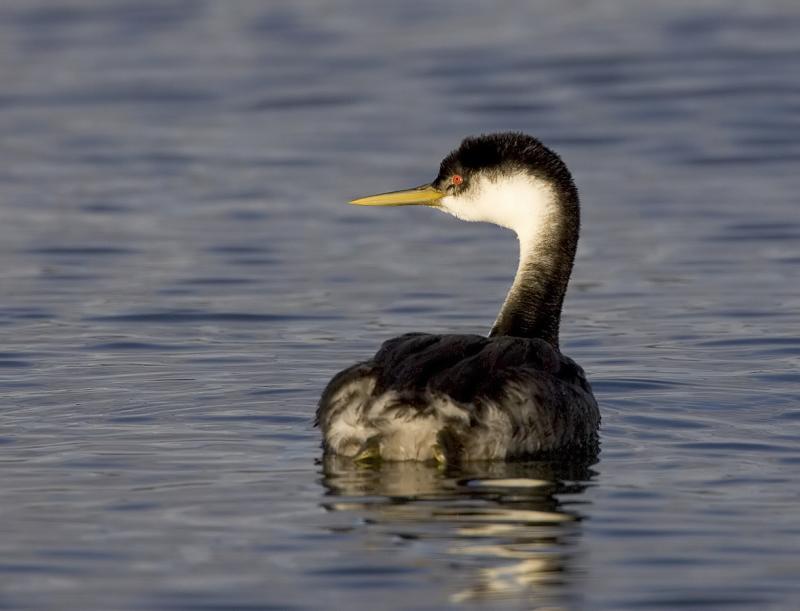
[509, 179]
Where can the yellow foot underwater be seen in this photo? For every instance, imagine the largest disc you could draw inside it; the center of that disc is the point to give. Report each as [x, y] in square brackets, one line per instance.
[370, 452]
[439, 456]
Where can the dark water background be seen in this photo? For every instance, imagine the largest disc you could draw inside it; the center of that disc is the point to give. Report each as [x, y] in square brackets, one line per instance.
[180, 277]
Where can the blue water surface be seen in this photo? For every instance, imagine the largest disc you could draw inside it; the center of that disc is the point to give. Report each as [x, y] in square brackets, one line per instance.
[180, 278]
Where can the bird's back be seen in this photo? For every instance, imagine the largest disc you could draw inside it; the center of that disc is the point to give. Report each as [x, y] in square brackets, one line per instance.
[459, 397]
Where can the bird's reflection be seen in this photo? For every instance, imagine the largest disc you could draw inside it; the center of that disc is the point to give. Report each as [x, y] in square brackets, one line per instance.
[509, 529]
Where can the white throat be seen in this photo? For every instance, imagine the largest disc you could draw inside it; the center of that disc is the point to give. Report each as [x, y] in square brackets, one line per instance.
[522, 203]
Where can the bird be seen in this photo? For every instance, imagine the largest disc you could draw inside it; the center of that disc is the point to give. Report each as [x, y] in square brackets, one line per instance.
[458, 398]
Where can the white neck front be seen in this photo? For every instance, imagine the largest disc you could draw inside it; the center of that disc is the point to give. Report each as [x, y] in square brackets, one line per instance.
[520, 202]
[527, 206]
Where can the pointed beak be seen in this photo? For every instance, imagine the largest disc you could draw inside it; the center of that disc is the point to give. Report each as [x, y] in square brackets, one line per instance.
[426, 195]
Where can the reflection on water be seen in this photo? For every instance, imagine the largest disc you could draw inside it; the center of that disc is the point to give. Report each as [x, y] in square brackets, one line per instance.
[503, 523]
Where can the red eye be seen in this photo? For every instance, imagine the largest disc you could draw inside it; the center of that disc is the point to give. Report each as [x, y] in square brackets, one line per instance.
[457, 179]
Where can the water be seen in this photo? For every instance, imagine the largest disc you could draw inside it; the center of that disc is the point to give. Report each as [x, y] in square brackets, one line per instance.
[181, 277]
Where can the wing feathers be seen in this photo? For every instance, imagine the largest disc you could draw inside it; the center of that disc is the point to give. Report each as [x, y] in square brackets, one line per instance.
[468, 396]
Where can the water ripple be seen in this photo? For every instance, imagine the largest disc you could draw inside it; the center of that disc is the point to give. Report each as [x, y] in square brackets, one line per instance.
[181, 278]
[193, 316]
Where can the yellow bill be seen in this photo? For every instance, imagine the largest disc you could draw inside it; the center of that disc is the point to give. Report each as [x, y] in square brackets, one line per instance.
[425, 195]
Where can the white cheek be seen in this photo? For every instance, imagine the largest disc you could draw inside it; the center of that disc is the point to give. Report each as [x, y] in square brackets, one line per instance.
[520, 203]
[459, 206]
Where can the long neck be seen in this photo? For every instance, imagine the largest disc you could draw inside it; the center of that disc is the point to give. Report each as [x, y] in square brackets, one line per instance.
[547, 250]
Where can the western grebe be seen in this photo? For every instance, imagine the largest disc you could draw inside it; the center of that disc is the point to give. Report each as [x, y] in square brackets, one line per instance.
[452, 398]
